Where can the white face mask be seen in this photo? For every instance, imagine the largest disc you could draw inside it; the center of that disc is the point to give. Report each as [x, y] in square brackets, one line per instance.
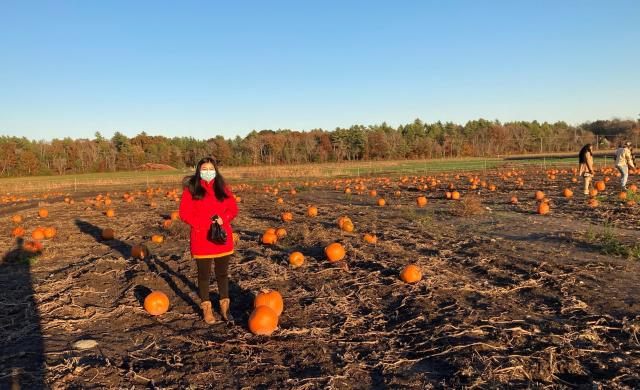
[208, 175]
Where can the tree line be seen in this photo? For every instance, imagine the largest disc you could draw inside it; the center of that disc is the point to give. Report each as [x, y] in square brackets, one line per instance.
[20, 156]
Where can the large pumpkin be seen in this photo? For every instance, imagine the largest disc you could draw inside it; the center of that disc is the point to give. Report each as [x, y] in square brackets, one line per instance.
[334, 252]
[156, 303]
[273, 299]
[263, 321]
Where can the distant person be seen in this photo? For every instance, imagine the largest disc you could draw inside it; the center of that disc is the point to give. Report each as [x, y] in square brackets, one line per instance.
[624, 160]
[204, 196]
[585, 159]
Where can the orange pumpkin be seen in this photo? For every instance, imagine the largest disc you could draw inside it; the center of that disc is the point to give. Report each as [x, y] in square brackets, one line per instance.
[455, 195]
[108, 234]
[16, 218]
[167, 223]
[422, 201]
[110, 213]
[312, 211]
[269, 237]
[272, 299]
[593, 202]
[370, 238]
[567, 193]
[157, 238]
[347, 226]
[411, 274]
[381, 202]
[38, 234]
[175, 215]
[622, 195]
[633, 188]
[263, 321]
[543, 208]
[43, 213]
[281, 232]
[139, 251]
[539, 195]
[600, 186]
[287, 216]
[593, 192]
[33, 246]
[17, 232]
[156, 303]
[514, 200]
[334, 252]
[49, 232]
[280, 201]
[296, 259]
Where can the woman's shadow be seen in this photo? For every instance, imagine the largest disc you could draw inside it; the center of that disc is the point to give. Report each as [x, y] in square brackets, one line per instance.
[22, 359]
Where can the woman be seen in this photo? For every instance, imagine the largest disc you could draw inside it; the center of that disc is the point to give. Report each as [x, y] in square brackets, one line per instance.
[204, 196]
[585, 158]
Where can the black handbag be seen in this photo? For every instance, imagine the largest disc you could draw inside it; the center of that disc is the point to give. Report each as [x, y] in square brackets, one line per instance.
[216, 234]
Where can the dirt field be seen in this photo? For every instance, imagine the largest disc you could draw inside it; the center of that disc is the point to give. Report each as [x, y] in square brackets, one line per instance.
[508, 299]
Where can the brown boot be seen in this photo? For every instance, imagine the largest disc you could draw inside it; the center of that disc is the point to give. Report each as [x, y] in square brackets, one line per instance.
[224, 309]
[209, 318]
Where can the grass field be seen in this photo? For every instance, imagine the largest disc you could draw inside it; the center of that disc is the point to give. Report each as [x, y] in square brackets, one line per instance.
[273, 173]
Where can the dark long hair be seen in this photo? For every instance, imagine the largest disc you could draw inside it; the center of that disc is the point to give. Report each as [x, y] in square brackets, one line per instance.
[582, 157]
[196, 189]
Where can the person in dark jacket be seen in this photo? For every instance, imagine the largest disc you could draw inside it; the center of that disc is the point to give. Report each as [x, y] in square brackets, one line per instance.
[585, 161]
[205, 195]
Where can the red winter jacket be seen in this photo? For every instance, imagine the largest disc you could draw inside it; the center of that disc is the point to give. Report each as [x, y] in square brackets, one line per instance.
[198, 213]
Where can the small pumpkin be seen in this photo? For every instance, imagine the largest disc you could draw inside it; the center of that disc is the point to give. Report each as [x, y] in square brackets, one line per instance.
[312, 211]
[281, 232]
[269, 237]
[455, 195]
[139, 252]
[43, 213]
[174, 215]
[514, 200]
[370, 238]
[543, 208]
[296, 259]
[17, 231]
[33, 246]
[108, 234]
[38, 234]
[110, 213]
[421, 201]
[334, 252]
[287, 216]
[263, 321]
[381, 202]
[567, 193]
[157, 238]
[156, 303]
[539, 195]
[600, 186]
[50, 232]
[16, 218]
[411, 274]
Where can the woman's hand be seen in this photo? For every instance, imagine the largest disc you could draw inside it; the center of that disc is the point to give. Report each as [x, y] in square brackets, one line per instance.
[219, 220]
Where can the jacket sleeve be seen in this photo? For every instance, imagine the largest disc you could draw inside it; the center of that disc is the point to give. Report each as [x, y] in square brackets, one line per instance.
[230, 207]
[186, 210]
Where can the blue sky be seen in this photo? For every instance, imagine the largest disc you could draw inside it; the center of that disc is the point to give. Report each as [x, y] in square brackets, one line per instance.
[71, 68]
